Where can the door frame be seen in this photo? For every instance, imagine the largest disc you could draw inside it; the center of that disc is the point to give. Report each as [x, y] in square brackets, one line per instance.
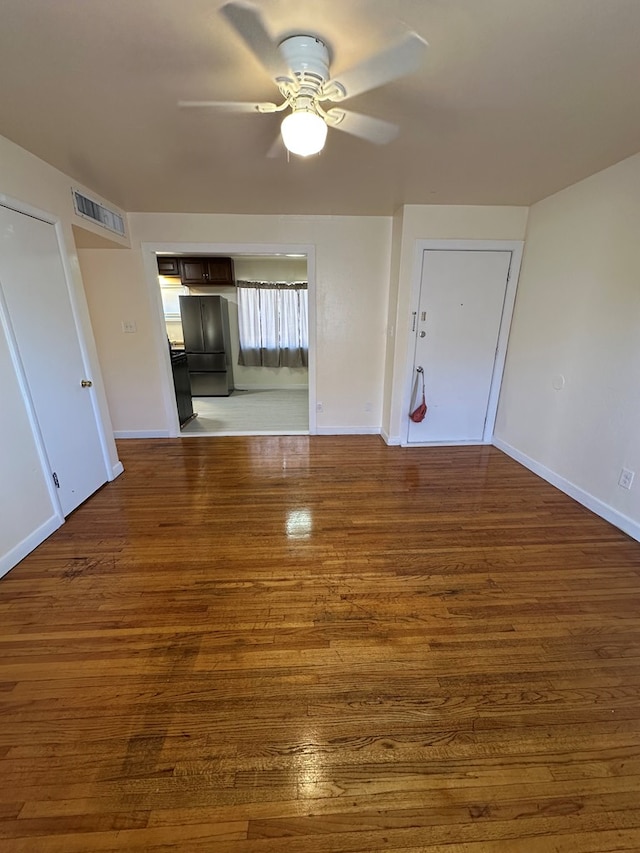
[111, 472]
[159, 331]
[515, 247]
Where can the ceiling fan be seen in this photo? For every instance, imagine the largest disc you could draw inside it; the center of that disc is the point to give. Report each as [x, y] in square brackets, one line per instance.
[299, 66]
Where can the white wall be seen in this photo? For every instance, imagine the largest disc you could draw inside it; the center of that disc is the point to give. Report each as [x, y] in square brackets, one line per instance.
[174, 330]
[359, 310]
[270, 269]
[27, 513]
[116, 291]
[577, 316]
[352, 280]
[430, 222]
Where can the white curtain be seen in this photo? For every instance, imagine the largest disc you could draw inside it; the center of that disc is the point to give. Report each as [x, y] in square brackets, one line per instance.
[273, 320]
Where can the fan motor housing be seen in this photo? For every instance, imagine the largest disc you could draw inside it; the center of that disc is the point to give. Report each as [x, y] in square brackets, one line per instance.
[307, 57]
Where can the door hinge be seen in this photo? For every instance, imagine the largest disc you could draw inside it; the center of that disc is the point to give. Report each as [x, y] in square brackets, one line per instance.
[56, 482]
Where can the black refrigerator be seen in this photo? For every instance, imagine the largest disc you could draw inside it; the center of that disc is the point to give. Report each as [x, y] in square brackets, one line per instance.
[205, 323]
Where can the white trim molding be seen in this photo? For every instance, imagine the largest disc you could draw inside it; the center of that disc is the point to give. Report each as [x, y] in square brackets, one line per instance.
[245, 387]
[142, 433]
[353, 430]
[462, 442]
[391, 440]
[613, 516]
[226, 434]
[29, 543]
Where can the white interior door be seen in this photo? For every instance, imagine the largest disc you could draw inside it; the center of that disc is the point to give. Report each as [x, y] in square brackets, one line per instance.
[34, 287]
[462, 295]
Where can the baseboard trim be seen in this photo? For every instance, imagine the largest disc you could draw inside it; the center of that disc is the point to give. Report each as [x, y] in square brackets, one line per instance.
[272, 388]
[116, 470]
[141, 433]
[29, 543]
[613, 516]
[355, 430]
[226, 434]
[391, 440]
[470, 443]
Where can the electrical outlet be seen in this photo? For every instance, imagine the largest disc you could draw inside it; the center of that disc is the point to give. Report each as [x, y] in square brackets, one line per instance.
[319, 408]
[129, 326]
[626, 478]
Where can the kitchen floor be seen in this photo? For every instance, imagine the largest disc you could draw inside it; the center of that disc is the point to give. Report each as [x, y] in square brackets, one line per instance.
[282, 412]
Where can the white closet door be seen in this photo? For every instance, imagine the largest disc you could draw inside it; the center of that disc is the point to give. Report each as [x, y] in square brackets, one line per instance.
[34, 287]
[461, 306]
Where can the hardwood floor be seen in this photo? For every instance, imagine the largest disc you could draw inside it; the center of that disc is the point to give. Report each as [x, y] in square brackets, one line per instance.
[322, 645]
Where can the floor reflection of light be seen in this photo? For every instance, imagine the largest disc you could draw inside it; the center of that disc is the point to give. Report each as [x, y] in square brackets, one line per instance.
[299, 523]
[310, 765]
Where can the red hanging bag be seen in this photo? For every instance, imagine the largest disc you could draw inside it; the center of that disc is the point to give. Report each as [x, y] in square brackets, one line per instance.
[418, 409]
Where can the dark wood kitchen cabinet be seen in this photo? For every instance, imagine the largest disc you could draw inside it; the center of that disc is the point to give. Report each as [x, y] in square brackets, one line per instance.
[168, 266]
[199, 271]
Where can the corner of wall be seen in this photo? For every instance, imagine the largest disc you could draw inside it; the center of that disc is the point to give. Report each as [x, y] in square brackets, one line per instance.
[392, 317]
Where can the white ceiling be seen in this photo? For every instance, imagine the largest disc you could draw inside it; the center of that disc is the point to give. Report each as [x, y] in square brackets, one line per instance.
[517, 99]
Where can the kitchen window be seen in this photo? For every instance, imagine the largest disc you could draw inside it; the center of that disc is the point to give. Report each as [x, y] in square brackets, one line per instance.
[273, 322]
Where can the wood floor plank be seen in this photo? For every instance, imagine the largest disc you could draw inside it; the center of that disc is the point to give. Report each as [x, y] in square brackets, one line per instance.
[322, 645]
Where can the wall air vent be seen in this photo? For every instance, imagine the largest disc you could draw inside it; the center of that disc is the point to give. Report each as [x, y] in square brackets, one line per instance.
[98, 213]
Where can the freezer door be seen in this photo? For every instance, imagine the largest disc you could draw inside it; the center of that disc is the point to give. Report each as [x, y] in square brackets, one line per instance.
[206, 361]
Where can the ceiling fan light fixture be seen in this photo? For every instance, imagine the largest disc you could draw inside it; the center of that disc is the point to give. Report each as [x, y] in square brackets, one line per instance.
[303, 133]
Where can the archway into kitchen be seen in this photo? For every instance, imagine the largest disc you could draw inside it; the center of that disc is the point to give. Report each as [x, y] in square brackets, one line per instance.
[264, 400]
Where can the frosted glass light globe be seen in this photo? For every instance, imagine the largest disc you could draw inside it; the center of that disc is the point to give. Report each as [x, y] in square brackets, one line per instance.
[303, 133]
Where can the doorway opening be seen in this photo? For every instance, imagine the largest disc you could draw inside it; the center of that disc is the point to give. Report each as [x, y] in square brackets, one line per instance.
[220, 387]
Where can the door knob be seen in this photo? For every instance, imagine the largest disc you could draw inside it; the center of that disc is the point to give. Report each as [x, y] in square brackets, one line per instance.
[423, 334]
[86, 383]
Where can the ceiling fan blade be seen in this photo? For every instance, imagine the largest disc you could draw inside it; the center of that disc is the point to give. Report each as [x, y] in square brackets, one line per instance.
[400, 59]
[229, 106]
[374, 130]
[247, 21]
